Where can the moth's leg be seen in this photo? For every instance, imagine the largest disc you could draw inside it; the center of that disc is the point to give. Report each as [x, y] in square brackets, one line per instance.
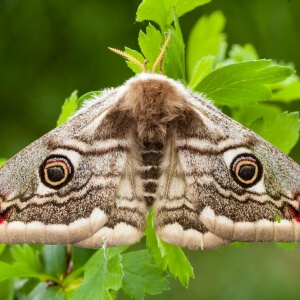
[176, 218]
[126, 222]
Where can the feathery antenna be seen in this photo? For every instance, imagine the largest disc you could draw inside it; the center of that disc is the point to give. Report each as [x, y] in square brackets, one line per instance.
[161, 54]
[129, 57]
[138, 63]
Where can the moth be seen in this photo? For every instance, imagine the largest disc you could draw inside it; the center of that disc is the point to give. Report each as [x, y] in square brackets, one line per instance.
[150, 143]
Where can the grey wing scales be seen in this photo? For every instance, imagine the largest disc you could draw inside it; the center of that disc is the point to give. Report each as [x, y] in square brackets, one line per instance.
[212, 150]
[176, 216]
[94, 159]
[127, 219]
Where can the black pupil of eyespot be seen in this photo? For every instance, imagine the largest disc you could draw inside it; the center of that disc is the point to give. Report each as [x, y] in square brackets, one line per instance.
[55, 173]
[246, 172]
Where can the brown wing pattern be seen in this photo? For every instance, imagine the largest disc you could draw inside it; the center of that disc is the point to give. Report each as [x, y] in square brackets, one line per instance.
[218, 158]
[34, 210]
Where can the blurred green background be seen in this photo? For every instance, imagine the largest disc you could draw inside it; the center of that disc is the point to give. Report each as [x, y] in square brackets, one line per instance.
[50, 48]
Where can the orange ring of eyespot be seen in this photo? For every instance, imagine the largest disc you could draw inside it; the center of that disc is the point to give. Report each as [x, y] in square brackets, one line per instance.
[54, 164]
[243, 163]
[246, 159]
[56, 161]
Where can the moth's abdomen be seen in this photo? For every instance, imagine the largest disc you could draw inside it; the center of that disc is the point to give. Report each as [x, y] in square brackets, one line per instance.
[150, 173]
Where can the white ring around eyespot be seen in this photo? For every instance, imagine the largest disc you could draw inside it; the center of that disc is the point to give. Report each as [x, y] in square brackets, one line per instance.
[72, 155]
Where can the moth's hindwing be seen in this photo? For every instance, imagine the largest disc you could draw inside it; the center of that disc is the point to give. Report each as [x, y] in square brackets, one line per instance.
[243, 187]
[176, 212]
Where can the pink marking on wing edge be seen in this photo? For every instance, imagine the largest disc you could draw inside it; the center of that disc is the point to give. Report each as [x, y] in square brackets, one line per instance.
[295, 214]
[4, 216]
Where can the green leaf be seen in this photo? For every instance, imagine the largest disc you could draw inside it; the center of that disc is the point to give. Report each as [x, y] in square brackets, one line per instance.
[103, 272]
[174, 61]
[7, 290]
[2, 248]
[68, 109]
[278, 219]
[26, 257]
[141, 276]
[55, 260]
[86, 97]
[26, 264]
[136, 55]
[286, 246]
[2, 161]
[202, 68]
[37, 289]
[242, 83]
[73, 280]
[28, 286]
[271, 123]
[285, 125]
[150, 43]
[168, 256]
[80, 256]
[243, 53]
[52, 293]
[289, 93]
[247, 114]
[9, 271]
[206, 38]
[238, 244]
[161, 11]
